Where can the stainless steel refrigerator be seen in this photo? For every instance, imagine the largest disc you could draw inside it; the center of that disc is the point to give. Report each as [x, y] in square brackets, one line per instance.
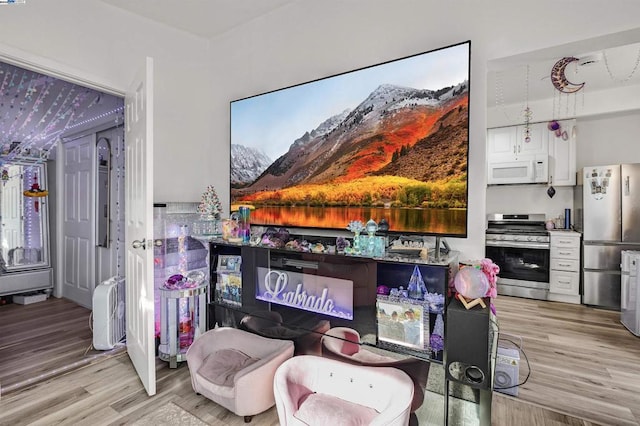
[607, 212]
[630, 297]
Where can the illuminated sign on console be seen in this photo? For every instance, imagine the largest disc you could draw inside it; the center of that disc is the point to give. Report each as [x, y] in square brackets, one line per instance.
[314, 293]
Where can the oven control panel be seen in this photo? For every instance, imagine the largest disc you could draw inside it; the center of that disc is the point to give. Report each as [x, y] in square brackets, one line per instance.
[518, 238]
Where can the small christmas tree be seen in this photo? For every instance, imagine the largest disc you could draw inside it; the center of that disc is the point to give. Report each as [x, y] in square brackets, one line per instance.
[210, 207]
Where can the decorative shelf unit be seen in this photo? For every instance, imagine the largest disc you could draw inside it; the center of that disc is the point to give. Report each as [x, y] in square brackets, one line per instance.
[176, 250]
[183, 319]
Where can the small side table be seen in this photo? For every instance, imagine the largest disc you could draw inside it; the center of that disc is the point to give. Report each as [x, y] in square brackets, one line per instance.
[183, 318]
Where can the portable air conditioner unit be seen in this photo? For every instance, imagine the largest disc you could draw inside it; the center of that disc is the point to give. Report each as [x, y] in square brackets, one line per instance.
[108, 313]
[507, 372]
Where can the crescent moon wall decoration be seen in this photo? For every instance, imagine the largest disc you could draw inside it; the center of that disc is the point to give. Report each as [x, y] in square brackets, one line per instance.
[560, 80]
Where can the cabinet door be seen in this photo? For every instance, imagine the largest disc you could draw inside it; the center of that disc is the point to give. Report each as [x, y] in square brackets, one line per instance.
[501, 143]
[569, 265]
[565, 253]
[538, 139]
[564, 282]
[564, 241]
[563, 157]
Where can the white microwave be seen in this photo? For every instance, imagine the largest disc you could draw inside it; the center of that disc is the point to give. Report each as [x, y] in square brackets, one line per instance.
[530, 170]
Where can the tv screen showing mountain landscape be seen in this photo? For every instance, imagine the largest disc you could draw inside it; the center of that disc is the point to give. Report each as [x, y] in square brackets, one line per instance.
[388, 141]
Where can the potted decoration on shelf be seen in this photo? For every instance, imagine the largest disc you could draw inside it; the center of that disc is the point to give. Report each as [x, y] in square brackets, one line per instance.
[356, 227]
[210, 210]
[210, 207]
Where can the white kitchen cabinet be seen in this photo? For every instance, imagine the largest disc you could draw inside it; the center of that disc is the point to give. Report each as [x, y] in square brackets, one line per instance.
[564, 274]
[513, 160]
[508, 143]
[562, 156]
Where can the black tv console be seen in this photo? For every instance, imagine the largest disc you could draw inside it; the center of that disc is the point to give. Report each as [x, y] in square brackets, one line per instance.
[363, 274]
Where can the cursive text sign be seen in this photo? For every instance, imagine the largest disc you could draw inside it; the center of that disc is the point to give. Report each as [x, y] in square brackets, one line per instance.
[325, 295]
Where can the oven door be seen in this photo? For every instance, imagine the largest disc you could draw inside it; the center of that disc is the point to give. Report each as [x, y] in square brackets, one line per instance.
[521, 263]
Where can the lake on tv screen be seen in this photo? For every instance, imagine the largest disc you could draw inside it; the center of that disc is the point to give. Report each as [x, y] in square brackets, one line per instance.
[433, 221]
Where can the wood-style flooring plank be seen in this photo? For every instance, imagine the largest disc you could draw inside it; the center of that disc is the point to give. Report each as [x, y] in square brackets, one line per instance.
[40, 338]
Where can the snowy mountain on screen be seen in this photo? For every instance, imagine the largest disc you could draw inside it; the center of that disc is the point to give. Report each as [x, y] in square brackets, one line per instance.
[323, 129]
[248, 163]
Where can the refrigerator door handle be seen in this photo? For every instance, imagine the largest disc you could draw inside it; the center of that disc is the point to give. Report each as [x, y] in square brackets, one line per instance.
[624, 290]
[626, 186]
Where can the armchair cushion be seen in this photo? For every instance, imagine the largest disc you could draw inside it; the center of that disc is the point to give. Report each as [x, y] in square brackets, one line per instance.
[221, 366]
[319, 409]
[371, 358]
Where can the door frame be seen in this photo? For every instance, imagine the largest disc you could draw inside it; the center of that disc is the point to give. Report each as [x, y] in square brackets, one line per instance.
[65, 72]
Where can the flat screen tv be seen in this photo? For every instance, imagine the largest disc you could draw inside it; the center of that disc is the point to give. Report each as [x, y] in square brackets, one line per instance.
[387, 141]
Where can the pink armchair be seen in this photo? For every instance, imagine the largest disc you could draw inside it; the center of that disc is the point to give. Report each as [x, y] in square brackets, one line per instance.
[343, 344]
[235, 369]
[312, 390]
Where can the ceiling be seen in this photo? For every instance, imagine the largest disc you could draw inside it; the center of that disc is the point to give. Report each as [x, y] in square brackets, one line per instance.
[507, 77]
[205, 18]
[36, 110]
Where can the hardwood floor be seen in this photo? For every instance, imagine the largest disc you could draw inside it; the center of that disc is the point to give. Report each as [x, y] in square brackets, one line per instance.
[585, 371]
[41, 340]
[583, 361]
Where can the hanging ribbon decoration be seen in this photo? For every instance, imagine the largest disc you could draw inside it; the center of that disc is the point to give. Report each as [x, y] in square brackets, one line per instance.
[35, 191]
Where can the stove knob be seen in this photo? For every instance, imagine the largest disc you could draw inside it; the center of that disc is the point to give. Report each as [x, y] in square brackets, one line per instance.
[501, 237]
[531, 238]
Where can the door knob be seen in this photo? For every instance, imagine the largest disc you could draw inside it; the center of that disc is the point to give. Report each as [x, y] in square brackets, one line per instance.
[136, 244]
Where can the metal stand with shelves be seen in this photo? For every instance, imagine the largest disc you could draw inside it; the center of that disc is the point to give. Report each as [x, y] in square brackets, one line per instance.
[183, 318]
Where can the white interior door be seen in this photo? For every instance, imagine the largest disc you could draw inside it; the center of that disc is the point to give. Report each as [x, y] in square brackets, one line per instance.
[11, 210]
[78, 235]
[139, 226]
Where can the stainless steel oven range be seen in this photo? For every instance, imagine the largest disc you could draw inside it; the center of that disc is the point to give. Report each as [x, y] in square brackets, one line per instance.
[519, 245]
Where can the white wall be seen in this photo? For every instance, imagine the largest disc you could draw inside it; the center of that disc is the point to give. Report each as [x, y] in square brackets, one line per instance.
[308, 40]
[104, 45]
[529, 199]
[608, 139]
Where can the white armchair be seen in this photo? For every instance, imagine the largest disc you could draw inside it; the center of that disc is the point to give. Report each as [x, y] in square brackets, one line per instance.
[312, 390]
